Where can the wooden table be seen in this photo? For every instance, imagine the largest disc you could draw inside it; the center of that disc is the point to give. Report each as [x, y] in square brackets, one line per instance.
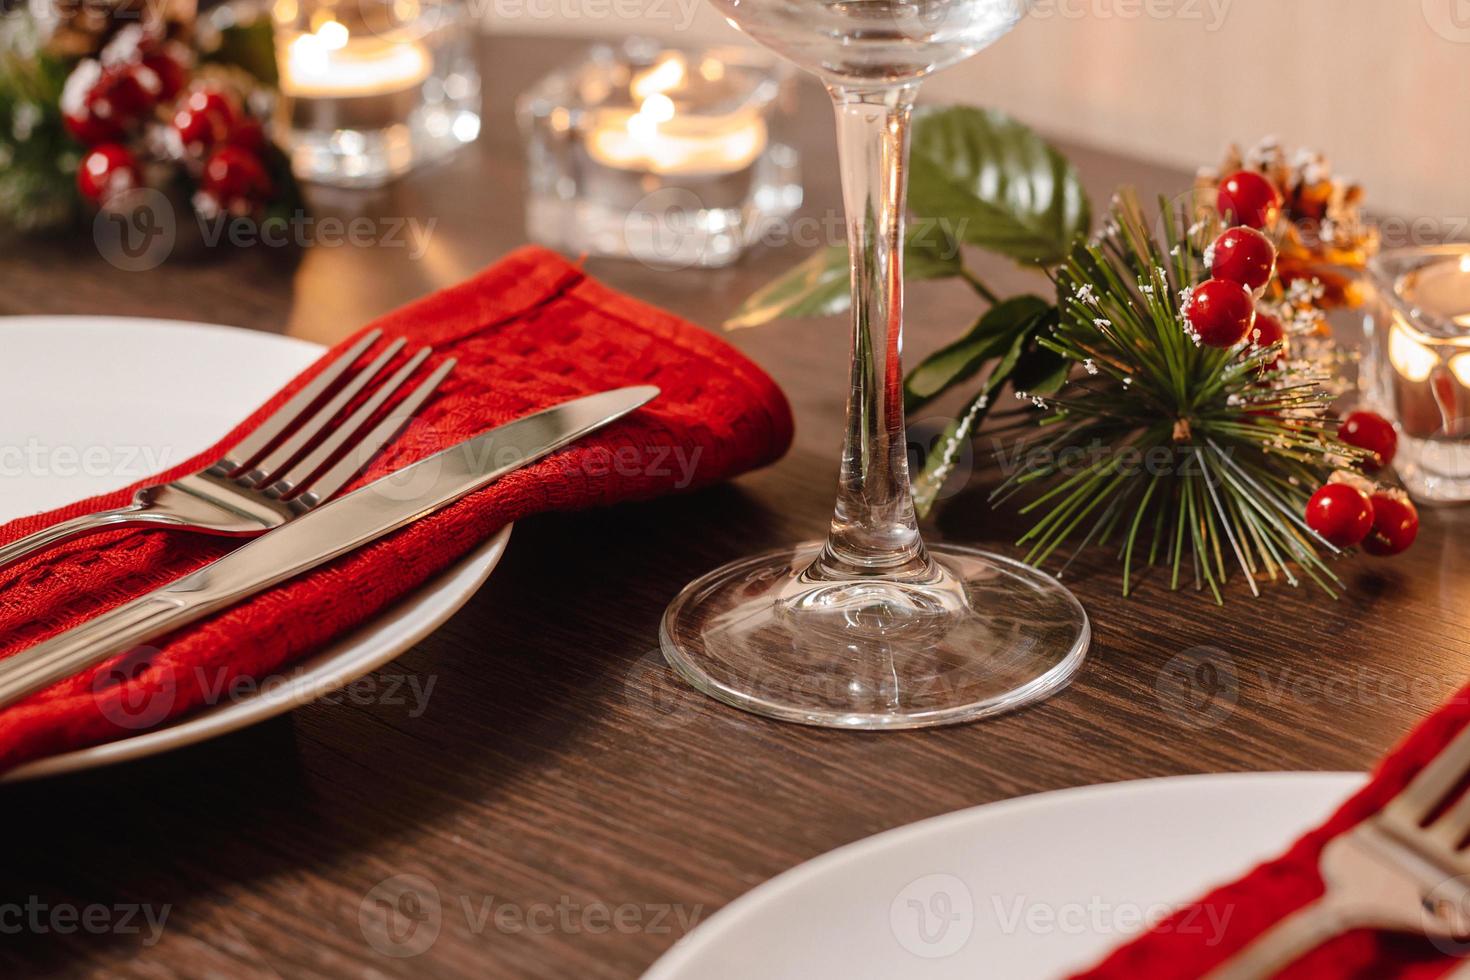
[556, 764]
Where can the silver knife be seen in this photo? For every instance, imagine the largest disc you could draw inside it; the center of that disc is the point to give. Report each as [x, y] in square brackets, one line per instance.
[318, 536]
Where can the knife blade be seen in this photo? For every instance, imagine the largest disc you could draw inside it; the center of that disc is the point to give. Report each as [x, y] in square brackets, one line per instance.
[326, 532]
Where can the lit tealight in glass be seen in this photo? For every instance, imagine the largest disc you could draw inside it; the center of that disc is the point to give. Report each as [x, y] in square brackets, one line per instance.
[370, 90]
[666, 156]
[1419, 365]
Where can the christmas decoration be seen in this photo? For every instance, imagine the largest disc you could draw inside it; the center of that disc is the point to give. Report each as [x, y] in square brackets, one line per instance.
[1181, 382]
[111, 96]
[1373, 432]
[1395, 523]
[1204, 451]
[1219, 313]
[1247, 198]
[1340, 513]
[1322, 237]
[1242, 255]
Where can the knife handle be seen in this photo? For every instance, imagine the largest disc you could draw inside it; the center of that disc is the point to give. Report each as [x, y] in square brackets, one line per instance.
[80, 647]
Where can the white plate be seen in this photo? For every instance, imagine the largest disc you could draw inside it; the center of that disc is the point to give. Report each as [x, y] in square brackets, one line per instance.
[1030, 888]
[92, 404]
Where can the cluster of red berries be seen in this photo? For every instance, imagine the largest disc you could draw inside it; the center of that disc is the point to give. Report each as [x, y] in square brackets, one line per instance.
[1350, 510]
[138, 94]
[1221, 311]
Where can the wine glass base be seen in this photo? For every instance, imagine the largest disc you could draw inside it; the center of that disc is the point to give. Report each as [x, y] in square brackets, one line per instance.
[985, 635]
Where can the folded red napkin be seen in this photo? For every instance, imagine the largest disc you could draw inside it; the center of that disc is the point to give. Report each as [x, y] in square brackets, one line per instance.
[530, 331]
[1249, 906]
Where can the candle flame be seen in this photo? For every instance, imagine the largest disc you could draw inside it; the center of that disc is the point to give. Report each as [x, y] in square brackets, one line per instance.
[1412, 360]
[668, 73]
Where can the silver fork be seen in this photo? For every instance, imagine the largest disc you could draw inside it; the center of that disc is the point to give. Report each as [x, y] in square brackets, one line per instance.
[276, 472]
[1404, 869]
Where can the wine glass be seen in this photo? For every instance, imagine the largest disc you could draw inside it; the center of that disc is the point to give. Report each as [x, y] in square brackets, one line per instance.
[872, 629]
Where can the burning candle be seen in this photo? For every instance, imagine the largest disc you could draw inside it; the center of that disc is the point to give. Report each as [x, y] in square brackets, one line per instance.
[329, 63]
[679, 125]
[371, 89]
[1419, 366]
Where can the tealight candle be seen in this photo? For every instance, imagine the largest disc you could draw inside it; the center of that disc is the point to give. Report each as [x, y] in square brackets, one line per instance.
[327, 63]
[371, 89]
[1418, 372]
[668, 135]
[668, 156]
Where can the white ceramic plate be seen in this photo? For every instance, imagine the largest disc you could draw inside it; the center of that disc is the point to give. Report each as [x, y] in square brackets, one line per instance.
[1030, 888]
[91, 404]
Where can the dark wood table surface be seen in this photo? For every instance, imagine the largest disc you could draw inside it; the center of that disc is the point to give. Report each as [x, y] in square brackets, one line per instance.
[556, 763]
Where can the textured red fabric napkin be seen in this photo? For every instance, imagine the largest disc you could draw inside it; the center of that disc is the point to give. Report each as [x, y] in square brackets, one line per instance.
[1179, 948]
[530, 331]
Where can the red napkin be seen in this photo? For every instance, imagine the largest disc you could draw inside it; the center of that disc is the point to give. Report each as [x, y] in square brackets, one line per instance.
[530, 331]
[1267, 894]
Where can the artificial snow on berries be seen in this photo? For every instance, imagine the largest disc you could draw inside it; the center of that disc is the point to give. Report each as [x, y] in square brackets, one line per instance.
[236, 178]
[1395, 523]
[204, 119]
[1341, 513]
[1267, 331]
[106, 170]
[1219, 312]
[1373, 432]
[1243, 255]
[1247, 198]
[168, 65]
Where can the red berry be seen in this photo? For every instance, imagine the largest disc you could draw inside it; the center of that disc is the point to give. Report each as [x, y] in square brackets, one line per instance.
[1373, 432]
[204, 119]
[1267, 331]
[1243, 255]
[1219, 312]
[235, 177]
[247, 134]
[106, 170]
[170, 71]
[1341, 513]
[1247, 198]
[1395, 524]
[98, 104]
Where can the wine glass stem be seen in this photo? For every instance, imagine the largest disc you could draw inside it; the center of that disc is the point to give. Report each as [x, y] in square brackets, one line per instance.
[874, 528]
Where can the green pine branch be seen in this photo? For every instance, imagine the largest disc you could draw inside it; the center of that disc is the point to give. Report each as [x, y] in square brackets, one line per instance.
[1203, 458]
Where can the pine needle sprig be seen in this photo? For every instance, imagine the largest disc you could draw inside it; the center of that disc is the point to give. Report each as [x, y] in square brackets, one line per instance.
[1197, 459]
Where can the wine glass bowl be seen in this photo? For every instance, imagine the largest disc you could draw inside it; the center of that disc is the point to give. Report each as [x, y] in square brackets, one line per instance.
[873, 41]
[870, 628]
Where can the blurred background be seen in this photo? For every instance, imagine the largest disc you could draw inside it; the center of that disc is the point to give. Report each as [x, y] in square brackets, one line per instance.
[1380, 87]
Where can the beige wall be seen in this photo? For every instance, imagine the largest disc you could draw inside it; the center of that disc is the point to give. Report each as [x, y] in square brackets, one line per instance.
[1381, 86]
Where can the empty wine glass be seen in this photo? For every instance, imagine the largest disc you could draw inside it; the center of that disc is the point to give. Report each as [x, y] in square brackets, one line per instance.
[871, 628]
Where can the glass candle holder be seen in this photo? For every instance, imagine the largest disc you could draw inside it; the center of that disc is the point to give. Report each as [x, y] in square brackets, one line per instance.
[670, 156]
[1417, 371]
[372, 88]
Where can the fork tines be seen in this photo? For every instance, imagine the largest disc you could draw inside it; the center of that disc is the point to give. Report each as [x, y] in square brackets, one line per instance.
[294, 453]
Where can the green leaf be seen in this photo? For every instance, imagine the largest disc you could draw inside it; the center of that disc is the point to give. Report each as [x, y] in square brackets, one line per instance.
[996, 184]
[819, 286]
[1041, 371]
[991, 336]
[940, 462]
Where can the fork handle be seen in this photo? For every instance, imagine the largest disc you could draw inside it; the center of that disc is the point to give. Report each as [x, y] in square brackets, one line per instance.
[1285, 942]
[74, 528]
